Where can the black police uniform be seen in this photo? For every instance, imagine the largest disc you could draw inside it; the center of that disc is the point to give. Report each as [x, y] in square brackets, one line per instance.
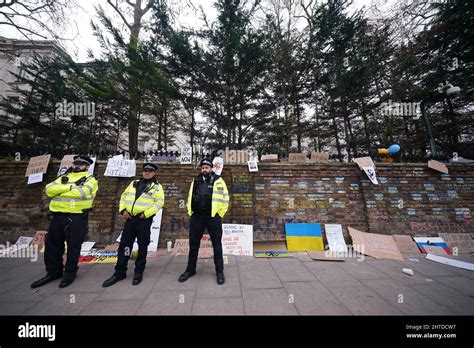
[201, 219]
[135, 228]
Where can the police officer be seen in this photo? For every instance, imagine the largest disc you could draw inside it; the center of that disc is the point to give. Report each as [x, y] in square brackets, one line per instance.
[72, 195]
[140, 201]
[208, 201]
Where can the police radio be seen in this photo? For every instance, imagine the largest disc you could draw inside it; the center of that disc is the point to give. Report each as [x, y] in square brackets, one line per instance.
[64, 178]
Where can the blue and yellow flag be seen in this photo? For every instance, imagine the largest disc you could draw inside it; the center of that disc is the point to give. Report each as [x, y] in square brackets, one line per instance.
[303, 237]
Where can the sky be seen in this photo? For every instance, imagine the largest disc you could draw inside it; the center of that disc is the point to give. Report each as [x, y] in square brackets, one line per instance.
[80, 35]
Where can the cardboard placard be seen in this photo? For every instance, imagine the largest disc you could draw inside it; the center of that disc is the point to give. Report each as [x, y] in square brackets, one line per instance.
[66, 163]
[379, 246]
[364, 162]
[440, 167]
[463, 242]
[321, 256]
[319, 157]
[335, 238]
[181, 247]
[38, 164]
[269, 158]
[112, 247]
[237, 239]
[367, 165]
[270, 249]
[297, 157]
[406, 245]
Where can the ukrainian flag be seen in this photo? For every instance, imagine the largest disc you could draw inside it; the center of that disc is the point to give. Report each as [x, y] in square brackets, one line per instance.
[303, 237]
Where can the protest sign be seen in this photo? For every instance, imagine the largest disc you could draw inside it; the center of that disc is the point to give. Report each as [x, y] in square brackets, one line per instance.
[38, 164]
[118, 167]
[376, 245]
[186, 155]
[335, 238]
[237, 239]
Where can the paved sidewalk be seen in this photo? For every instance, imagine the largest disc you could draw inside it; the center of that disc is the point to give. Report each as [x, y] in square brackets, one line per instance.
[285, 286]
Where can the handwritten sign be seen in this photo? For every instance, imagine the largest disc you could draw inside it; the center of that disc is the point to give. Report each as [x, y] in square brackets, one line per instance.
[297, 157]
[269, 158]
[186, 155]
[462, 241]
[181, 247]
[320, 157]
[335, 238]
[379, 246]
[38, 164]
[237, 239]
[120, 168]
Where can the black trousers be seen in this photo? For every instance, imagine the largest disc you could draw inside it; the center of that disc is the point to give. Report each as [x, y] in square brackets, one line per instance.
[196, 230]
[139, 229]
[69, 228]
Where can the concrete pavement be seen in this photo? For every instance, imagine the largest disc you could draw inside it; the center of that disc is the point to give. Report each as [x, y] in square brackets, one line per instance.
[279, 286]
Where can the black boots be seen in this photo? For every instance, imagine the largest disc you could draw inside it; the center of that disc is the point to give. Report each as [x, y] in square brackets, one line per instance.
[220, 278]
[185, 276]
[114, 279]
[45, 280]
[137, 278]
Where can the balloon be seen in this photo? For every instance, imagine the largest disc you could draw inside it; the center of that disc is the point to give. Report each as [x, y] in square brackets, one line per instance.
[393, 149]
[382, 151]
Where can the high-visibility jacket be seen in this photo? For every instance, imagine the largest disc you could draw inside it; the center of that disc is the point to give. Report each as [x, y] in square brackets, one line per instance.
[69, 197]
[220, 198]
[149, 202]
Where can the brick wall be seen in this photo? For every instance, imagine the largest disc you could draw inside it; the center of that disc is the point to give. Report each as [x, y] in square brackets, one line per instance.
[411, 199]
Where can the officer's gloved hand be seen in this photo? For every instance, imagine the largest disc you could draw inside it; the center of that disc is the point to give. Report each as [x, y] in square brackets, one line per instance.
[64, 180]
[81, 181]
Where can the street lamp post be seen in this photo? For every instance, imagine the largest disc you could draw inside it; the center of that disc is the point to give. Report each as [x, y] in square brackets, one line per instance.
[434, 153]
[448, 90]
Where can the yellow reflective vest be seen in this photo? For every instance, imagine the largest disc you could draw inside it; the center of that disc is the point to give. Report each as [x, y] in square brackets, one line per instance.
[69, 197]
[220, 198]
[149, 202]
